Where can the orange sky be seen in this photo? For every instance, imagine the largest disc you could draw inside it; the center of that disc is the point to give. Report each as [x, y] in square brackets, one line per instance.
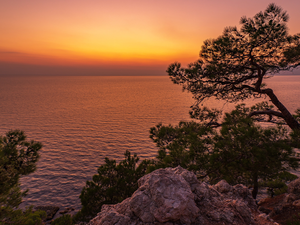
[116, 37]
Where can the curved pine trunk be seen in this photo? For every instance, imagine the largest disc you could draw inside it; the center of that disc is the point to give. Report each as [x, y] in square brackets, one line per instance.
[289, 119]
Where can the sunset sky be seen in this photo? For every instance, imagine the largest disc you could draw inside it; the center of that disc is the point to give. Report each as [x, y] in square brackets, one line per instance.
[116, 37]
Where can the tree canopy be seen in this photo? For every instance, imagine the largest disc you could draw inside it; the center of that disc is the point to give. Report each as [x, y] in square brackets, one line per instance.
[18, 157]
[233, 66]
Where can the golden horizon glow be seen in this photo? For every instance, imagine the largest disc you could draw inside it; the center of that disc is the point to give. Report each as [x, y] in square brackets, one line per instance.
[118, 32]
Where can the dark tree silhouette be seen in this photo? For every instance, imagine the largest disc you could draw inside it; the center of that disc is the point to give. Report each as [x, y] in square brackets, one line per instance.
[233, 66]
[18, 157]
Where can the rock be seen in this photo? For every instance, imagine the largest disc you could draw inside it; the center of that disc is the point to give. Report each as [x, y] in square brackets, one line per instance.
[264, 210]
[294, 188]
[50, 210]
[67, 210]
[289, 199]
[293, 193]
[263, 215]
[167, 196]
[223, 187]
[296, 203]
[229, 207]
[174, 196]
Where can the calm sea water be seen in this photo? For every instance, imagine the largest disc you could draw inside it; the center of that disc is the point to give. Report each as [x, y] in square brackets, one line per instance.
[82, 120]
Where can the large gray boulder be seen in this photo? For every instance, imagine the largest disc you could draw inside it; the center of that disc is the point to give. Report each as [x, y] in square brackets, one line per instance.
[174, 196]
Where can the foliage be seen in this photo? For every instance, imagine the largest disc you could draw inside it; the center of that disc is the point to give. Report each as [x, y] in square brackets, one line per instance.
[248, 152]
[63, 220]
[113, 183]
[186, 145]
[17, 157]
[239, 152]
[19, 217]
[296, 133]
[233, 66]
[278, 186]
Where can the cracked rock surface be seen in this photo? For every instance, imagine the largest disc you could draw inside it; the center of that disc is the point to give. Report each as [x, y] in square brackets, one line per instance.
[174, 196]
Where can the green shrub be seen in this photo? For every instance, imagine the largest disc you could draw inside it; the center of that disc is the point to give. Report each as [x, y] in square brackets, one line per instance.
[113, 183]
[63, 220]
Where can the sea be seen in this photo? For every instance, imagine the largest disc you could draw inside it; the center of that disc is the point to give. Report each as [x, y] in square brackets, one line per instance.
[80, 120]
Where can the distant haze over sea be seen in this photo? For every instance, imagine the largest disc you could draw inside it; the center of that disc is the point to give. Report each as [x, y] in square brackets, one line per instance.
[8, 69]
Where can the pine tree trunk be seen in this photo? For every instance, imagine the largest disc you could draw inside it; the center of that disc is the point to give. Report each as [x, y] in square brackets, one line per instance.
[255, 185]
[289, 119]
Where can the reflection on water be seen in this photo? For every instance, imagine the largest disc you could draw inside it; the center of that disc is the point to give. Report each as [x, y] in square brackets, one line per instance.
[81, 120]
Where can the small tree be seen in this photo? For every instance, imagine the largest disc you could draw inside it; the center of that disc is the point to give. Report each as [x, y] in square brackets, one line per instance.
[113, 183]
[187, 145]
[18, 157]
[247, 153]
[233, 66]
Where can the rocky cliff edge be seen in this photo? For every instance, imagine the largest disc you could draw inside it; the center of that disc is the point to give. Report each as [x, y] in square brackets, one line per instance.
[174, 196]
